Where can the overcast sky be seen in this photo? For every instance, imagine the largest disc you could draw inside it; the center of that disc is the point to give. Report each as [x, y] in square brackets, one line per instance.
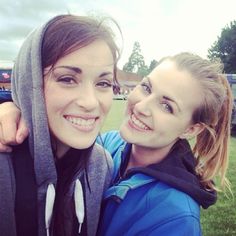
[162, 27]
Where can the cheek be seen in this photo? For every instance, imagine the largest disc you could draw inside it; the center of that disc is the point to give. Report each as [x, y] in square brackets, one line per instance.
[54, 103]
[106, 102]
[133, 97]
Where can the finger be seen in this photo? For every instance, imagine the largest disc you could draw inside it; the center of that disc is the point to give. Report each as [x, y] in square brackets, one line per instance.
[22, 131]
[5, 138]
[8, 132]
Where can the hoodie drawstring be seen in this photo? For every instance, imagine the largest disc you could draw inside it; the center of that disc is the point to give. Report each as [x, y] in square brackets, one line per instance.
[79, 203]
[50, 198]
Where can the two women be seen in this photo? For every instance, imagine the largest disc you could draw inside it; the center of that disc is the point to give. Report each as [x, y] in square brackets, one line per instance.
[159, 182]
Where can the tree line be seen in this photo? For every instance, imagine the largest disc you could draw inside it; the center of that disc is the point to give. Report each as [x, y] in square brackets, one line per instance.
[223, 50]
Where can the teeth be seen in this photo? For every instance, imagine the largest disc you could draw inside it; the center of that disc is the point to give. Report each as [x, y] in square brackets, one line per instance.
[80, 121]
[138, 122]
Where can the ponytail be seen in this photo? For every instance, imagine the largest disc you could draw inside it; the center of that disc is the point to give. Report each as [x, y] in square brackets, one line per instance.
[211, 148]
[214, 114]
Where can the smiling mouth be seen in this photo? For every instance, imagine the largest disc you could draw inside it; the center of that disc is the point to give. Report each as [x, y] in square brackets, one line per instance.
[137, 123]
[81, 122]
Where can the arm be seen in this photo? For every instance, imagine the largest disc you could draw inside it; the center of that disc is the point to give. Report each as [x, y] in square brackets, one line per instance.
[12, 127]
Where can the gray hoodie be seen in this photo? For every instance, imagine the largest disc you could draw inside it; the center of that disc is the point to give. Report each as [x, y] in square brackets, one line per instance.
[28, 95]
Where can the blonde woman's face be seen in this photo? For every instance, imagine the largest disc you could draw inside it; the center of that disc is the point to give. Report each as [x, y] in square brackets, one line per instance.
[78, 96]
[160, 108]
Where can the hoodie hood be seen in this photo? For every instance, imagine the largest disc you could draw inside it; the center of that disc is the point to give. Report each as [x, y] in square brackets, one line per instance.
[28, 95]
[178, 171]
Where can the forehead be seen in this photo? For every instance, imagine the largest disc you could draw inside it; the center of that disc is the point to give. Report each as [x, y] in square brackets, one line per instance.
[168, 80]
[96, 54]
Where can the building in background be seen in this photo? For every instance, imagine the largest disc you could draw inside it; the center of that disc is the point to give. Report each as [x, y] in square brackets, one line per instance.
[5, 74]
[127, 82]
[5, 80]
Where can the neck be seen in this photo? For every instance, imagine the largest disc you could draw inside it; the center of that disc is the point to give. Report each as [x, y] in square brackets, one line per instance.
[144, 156]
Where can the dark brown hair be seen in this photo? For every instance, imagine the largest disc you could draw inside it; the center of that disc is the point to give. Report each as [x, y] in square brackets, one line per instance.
[66, 33]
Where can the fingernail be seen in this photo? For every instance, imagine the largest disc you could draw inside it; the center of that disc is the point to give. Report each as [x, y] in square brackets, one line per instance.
[20, 138]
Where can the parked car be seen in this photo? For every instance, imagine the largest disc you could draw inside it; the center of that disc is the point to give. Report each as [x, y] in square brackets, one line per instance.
[5, 95]
[5, 80]
[120, 97]
[232, 81]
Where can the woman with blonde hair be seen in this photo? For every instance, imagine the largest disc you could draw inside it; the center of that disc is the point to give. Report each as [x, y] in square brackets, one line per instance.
[159, 181]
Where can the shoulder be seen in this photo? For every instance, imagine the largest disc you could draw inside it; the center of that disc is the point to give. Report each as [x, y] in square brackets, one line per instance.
[170, 212]
[180, 214]
[100, 155]
[163, 198]
[99, 169]
[157, 209]
[100, 160]
[111, 141]
[179, 202]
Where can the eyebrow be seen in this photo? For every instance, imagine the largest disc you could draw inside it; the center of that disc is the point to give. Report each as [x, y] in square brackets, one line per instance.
[80, 71]
[73, 68]
[149, 82]
[106, 73]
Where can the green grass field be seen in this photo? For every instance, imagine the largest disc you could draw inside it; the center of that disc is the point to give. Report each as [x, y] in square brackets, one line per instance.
[218, 220]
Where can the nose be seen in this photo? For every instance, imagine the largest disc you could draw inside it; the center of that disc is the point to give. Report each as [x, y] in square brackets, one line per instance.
[141, 104]
[87, 98]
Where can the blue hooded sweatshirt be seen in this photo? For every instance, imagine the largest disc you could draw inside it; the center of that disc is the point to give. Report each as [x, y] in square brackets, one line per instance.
[160, 199]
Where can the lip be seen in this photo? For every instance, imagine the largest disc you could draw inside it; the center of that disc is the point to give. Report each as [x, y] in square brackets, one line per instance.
[84, 123]
[135, 123]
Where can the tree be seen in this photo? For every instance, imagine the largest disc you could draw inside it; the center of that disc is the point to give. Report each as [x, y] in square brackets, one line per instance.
[152, 65]
[136, 63]
[225, 48]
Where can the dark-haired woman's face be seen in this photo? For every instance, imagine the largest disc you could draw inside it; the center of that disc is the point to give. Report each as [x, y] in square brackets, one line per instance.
[78, 95]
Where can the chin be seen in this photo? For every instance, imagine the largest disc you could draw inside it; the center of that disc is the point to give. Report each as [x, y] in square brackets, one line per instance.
[126, 134]
[82, 145]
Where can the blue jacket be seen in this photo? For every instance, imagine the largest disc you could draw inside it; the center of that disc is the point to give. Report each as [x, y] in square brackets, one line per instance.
[161, 199]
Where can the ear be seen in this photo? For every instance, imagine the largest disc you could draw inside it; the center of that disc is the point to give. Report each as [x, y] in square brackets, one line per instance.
[192, 131]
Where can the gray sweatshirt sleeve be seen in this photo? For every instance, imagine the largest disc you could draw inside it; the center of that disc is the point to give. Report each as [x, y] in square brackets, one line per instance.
[7, 196]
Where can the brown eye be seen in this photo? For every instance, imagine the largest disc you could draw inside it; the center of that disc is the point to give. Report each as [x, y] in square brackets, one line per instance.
[104, 84]
[66, 80]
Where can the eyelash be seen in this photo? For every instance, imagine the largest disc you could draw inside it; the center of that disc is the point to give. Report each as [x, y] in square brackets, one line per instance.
[104, 84]
[145, 86]
[69, 80]
[66, 80]
[167, 107]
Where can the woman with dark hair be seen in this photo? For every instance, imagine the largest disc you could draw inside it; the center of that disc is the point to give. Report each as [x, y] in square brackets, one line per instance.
[52, 184]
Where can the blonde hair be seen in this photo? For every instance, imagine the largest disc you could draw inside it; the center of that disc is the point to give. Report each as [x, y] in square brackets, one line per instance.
[211, 147]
